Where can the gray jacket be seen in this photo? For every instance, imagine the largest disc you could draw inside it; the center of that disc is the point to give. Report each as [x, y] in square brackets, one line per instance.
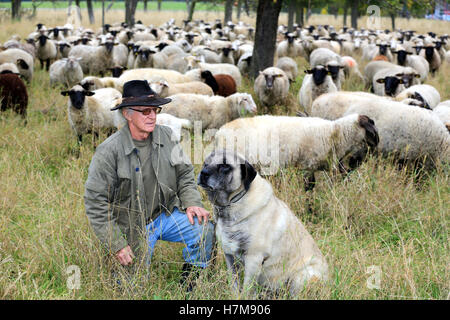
[114, 196]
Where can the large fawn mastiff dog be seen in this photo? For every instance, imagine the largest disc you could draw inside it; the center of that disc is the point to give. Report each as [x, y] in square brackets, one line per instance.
[257, 230]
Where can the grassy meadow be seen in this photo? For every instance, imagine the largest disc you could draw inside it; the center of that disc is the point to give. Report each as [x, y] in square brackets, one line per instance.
[377, 222]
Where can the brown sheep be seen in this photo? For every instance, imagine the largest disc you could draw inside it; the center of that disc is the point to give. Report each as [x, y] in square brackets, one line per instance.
[222, 84]
[13, 94]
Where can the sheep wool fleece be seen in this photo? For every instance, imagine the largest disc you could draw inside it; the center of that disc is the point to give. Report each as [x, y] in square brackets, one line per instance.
[115, 201]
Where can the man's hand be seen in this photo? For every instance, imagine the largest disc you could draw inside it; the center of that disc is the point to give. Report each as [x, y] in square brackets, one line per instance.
[125, 256]
[199, 212]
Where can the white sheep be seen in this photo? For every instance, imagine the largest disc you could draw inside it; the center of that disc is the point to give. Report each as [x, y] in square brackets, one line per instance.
[351, 67]
[92, 83]
[322, 56]
[406, 132]
[89, 111]
[289, 66]
[213, 112]
[418, 63]
[95, 59]
[318, 81]
[288, 47]
[442, 111]
[244, 62]
[120, 55]
[310, 144]
[45, 50]
[272, 86]
[9, 67]
[66, 71]
[144, 57]
[164, 89]
[171, 76]
[427, 95]
[23, 60]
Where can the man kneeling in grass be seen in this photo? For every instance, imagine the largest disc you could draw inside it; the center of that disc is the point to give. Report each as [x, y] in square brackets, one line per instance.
[138, 191]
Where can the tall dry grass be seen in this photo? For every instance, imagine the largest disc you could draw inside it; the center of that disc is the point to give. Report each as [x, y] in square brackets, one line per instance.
[378, 216]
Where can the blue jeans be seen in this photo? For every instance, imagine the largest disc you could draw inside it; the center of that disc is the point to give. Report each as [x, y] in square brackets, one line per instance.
[176, 227]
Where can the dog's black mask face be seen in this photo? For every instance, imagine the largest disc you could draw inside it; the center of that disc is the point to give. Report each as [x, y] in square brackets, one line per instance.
[223, 174]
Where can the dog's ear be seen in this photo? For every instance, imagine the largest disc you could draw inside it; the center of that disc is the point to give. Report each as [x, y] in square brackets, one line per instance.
[248, 174]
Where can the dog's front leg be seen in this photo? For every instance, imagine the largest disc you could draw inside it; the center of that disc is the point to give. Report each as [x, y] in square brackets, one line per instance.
[252, 271]
[234, 268]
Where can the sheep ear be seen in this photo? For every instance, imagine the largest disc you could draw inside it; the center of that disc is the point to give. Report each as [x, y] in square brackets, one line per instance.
[89, 93]
[22, 64]
[401, 81]
[368, 124]
[308, 71]
[64, 93]
[416, 75]
[380, 80]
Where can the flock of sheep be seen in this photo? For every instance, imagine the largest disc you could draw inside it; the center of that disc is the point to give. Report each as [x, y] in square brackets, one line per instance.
[200, 67]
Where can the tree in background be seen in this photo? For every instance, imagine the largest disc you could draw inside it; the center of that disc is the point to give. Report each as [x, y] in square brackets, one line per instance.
[265, 35]
[15, 9]
[228, 11]
[190, 7]
[130, 11]
[90, 11]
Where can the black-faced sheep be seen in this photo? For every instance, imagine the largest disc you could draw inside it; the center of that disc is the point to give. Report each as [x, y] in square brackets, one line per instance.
[89, 111]
[317, 81]
[45, 51]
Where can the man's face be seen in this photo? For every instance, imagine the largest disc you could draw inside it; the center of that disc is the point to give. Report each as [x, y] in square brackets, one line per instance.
[140, 123]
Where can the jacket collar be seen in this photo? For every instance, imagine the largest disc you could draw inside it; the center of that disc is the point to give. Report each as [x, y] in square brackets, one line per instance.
[127, 140]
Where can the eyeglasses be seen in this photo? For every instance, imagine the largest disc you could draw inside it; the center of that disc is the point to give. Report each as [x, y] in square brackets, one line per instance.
[147, 111]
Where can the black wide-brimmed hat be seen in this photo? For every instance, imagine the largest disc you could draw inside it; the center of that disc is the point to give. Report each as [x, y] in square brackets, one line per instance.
[138, 93]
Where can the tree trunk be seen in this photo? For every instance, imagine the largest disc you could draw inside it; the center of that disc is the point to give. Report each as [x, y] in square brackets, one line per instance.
[77, 2]
[130, 10]
[191, 9]
[354, 14]
[291, 12]
[228, 11]
[159, 5]
[345, 12]
[299, 17]
[239, 10]
[145, 5]
[265, 35]
[90, 11]
[393, 21]
[103, 16]
[15, 9]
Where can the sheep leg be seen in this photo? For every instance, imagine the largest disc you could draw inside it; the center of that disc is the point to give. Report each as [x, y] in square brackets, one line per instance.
[80, 139]
[42, 63]
[309, 180]
[48, 65]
